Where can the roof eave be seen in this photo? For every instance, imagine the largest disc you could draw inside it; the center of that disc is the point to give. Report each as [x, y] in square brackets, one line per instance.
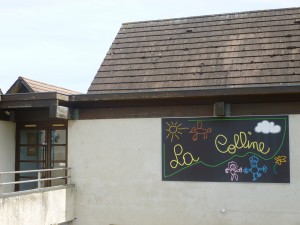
[208, 96]
[31, 100]
[188, 93]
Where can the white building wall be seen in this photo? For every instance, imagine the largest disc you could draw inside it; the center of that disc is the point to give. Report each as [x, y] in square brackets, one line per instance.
[7, 151]
[116, 166]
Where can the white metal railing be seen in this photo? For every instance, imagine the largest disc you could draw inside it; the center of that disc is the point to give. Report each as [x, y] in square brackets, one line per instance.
[39, 179]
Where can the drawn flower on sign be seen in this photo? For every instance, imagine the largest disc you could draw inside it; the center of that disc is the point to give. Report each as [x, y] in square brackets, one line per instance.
[267, 127]
[233, 169]
[174, 130]
[278, 162]
[280, 159]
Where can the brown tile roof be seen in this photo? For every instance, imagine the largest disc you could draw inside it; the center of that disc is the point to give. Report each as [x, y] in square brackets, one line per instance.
[25, 85]
[238, 50]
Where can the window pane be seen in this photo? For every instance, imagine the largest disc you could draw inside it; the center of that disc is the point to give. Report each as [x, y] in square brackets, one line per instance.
[30, 166]
[29, 176]
[27, 186]
[59, 173]
[31, 153]
[58, 137]
[29, 137]
[58, 153]
[32, 137]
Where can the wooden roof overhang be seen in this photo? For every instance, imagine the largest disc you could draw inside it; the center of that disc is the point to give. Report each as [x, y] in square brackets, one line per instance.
[54, 103]
[186, 97]
[218, 102]
[59, 106]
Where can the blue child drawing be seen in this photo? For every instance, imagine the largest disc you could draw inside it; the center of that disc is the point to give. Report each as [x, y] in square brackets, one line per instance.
[255, 169]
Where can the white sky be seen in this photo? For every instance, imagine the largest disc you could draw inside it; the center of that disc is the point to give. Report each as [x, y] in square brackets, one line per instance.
[63, 42]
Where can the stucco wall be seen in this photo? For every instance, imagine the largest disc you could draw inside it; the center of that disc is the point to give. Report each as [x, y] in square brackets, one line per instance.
[116, 166]
[7, 150]
[41, 208]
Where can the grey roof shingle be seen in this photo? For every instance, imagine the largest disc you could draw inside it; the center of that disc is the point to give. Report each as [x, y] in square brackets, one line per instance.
[238, 50]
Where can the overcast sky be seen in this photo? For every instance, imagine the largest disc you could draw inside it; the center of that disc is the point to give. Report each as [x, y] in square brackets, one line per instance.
[63, 42]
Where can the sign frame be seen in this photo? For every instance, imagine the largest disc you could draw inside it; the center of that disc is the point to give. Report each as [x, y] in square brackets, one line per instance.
[226, 149]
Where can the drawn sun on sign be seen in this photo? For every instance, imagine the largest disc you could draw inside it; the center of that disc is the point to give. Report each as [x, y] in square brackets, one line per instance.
[174, 130]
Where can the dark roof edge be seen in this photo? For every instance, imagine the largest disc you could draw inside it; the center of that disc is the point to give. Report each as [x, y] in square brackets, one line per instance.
[209, 93]
[21, 81]
[212, 15]
[188, 93]
[34, 96]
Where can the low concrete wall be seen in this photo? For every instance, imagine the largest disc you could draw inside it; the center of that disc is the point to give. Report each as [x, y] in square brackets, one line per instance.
[7, 151]
[117, 164]
[50, 206]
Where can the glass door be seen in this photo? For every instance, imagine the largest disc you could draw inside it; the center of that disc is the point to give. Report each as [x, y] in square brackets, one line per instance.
[41, 148]
[31, 154]
[58, 154]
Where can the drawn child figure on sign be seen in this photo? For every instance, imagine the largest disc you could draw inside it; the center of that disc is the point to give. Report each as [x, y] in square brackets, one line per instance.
[233, 169]
[200, 130]
[254, 169]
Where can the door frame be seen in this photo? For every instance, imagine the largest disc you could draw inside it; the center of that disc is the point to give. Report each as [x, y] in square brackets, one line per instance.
[47, 126]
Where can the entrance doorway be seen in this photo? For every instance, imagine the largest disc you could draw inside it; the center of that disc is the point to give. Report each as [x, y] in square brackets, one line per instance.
[41, 147]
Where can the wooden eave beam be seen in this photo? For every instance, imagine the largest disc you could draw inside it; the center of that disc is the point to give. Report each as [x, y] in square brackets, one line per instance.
[188, 93]
[52, 101]
[255, 94]
[32, 100]
[34, 96]
[59, 112]
[27, 104]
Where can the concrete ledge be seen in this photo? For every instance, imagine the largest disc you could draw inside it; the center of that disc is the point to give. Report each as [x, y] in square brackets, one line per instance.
[53, 205]
[19, 193]
[64, 223]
